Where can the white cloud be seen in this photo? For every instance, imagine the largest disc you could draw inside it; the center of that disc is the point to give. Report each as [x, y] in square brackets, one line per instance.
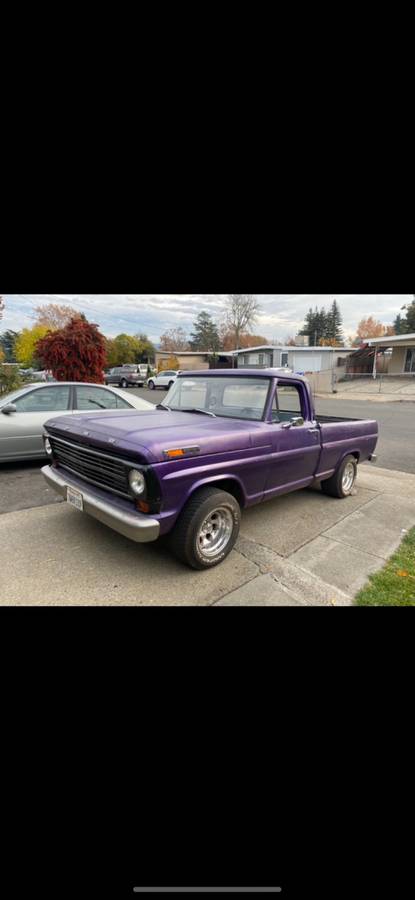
[281, 314]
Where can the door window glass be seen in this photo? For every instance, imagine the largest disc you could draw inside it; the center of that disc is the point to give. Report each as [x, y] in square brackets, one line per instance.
[47, 399]
[287, 403]
[90, 398]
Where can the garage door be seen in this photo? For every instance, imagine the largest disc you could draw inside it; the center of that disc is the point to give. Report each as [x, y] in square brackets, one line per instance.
[307, 362]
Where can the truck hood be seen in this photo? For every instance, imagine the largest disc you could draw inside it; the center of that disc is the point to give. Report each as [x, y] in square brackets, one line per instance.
[150, 433]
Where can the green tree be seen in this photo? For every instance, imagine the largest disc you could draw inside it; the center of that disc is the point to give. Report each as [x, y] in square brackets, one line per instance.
[205, 335]
[410, 317]
[25, 346]
[147, 350]
[10, 379]
[324, 327]
[315, 326]
[7, 343]
[334, 324]
[122, 350]
[399, 324]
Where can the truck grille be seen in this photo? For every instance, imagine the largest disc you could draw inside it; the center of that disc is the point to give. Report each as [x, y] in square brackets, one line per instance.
[92, 465]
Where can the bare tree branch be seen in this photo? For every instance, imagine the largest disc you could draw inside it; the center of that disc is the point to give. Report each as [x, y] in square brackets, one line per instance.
[241, 315]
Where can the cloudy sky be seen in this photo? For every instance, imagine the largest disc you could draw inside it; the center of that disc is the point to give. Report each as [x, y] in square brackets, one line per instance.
[282, 315]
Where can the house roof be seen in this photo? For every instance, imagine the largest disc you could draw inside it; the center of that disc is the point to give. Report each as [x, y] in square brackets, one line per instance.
[195, 352]
[285, 349]
[392, 340]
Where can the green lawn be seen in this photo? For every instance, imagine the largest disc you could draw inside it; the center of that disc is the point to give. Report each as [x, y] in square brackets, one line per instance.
[395, 584]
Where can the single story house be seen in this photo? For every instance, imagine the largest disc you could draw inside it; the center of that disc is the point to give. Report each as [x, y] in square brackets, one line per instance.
[298, 359]
[402, 360]
[190, 359]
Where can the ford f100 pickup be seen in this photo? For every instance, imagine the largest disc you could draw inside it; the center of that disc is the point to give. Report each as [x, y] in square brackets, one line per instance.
[221, 441]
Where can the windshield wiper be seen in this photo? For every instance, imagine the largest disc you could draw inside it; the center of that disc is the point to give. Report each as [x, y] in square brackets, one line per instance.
[96, 403]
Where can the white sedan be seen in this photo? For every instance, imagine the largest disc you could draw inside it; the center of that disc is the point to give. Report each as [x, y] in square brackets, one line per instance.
[23, 413]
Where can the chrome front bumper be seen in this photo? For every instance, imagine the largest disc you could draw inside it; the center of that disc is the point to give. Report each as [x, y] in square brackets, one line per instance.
[133, 525]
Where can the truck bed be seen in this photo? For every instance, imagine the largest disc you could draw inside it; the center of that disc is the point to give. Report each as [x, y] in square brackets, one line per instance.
[340, 436]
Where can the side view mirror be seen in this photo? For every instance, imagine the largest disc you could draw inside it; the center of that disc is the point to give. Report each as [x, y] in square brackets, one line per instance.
[9, 408]
[296, 422]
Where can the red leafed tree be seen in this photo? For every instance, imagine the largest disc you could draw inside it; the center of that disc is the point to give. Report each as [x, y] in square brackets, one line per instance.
[74, 353]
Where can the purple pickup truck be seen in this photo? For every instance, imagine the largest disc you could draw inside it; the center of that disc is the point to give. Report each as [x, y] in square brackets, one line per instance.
[221, 441]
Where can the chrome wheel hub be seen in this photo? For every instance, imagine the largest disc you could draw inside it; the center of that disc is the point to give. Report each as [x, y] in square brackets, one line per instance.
[349, 476]
[215, 532]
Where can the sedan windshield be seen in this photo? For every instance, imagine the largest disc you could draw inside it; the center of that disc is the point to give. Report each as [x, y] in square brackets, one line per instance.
[224, 396]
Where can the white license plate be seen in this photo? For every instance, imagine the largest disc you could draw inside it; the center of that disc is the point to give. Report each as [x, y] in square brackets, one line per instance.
[75, 498]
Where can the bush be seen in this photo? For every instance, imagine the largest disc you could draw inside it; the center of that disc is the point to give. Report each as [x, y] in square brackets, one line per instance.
[171, 363]
[10, 379]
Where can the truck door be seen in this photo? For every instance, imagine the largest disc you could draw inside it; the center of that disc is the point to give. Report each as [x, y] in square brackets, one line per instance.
[295, 440]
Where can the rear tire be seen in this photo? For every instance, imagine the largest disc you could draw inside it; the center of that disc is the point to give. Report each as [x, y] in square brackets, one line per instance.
[341, 484]
[207, 529]
[124, 383]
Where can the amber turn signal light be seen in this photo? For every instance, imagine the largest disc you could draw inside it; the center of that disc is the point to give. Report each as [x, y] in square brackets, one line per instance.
[173, 454]
[142, 506]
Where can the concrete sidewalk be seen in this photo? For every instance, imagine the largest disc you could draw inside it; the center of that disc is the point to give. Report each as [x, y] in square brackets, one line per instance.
[363, 395]
[304, 549]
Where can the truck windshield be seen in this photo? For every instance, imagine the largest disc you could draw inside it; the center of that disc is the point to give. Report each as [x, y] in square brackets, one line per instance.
[225, 396]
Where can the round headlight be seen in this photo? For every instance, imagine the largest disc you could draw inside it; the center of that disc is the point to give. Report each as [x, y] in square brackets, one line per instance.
[48, 447]
[137, 482]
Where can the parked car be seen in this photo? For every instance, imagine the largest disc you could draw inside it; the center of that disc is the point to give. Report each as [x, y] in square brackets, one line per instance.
[220, 442]
[142, 369]
[24, 412]
[40, 376]
[162, 380]
[125, 376]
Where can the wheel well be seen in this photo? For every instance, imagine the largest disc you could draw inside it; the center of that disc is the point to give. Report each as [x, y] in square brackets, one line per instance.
[226, 484]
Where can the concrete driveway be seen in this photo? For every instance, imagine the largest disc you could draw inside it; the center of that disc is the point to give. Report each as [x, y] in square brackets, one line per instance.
[304, 549]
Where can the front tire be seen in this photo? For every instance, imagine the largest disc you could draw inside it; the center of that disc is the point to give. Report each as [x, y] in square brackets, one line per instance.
[151, 386]
[341, 484]
[207, 529]
[124, 383]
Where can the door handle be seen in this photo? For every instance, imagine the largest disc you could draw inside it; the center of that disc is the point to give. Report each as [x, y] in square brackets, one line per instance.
[314, 431]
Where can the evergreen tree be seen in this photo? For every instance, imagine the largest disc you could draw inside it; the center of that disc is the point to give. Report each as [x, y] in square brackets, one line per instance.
[334, 324]
[315, 326]
[410, 318]
[205, 335]
[399, 324]
[7, 343]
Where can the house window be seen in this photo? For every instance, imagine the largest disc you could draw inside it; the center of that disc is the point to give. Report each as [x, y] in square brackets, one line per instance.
[410, 361]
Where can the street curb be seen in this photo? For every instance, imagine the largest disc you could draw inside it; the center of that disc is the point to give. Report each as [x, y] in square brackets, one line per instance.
[373, 398]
